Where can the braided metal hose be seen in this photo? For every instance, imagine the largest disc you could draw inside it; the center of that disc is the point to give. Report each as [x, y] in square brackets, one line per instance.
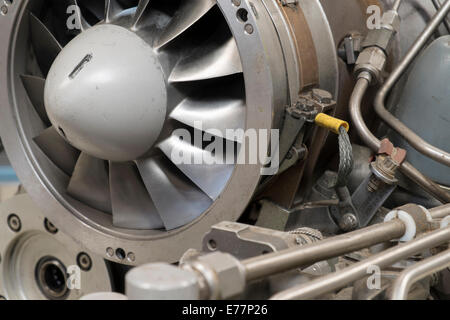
[345, 158]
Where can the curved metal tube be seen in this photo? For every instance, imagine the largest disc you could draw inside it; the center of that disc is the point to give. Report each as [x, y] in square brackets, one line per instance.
[373, 142]
[340, 279]
[413, 139]
[361, 86]
[417, 272]
[425, 183]
[396, 5]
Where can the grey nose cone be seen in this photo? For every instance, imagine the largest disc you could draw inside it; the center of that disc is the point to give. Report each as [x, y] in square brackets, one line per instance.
[106, 94]
[160, 281]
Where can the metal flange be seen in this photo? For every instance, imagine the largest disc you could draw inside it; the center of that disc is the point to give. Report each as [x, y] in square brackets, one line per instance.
[39, 262]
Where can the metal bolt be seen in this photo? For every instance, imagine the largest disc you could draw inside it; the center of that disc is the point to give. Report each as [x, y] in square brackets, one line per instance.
[322, 96]
[14, 223]
[349, 222]
[4, 10]
[110, 252]
[84, 261]
[131, 257]
[306, 105]
[50, 227]
[237, 3]
[249, 28]
[374, 184]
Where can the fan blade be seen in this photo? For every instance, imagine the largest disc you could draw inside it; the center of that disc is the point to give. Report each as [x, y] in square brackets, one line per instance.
[90, 183]
[61, 153]
[140, 12]
[112, 9]
[35, 89]
[97, 8]
[189, 13]
[45, 44]
[215, 110]
[179, 202]
[132, 206]
[215, 60]
[211, 178]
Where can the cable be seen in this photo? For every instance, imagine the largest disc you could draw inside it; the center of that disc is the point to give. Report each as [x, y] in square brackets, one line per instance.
[346, 161]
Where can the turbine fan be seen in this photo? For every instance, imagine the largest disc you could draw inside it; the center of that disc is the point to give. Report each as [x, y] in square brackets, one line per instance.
[107, 114]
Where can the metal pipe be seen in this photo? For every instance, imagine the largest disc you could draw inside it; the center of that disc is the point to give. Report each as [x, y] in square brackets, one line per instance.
[340, 279]
[361, 86]
[413, 139]
[373, 142]
[396, 5]
[440, 212]
[437, 5]
[425, 183]
[417, 272]
[277, 262]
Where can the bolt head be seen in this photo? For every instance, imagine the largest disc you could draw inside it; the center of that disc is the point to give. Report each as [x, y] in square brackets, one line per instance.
[322, 96]
[14, 223]
[84, 261]
[349, 222]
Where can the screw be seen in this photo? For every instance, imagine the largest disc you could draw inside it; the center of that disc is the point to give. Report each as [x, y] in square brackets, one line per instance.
[374, 184]
[237, 3]
[50, 227]
[348, 222]
[110, 252]
[131, 257]
[4, 10]
[84, 261]
[249, 28]
[14, 223]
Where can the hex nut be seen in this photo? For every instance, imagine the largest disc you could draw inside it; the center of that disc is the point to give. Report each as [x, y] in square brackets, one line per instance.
[229, 273]
[322, 96]
[372, 60]
[380, 38]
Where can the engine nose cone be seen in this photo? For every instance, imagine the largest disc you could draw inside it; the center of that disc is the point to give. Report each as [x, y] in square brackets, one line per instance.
[106, 94]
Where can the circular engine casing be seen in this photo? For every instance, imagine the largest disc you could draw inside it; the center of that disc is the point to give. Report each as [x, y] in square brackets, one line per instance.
[282, 49]
[266, 91]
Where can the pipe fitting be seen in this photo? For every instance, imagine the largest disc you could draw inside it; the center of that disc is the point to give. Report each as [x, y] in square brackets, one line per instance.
[417, 220]
[372, 60]
[224, 274]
